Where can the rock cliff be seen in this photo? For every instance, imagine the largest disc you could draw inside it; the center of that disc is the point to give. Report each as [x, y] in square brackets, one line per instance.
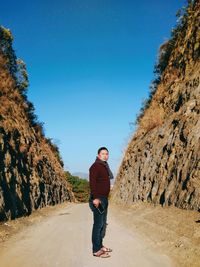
[31, 170]
[161, 163]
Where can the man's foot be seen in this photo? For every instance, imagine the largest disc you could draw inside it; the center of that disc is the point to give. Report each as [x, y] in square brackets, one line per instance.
[105, 249]
[101, 253]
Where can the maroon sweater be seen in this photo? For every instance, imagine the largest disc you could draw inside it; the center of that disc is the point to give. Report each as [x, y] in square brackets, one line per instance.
[99, 180]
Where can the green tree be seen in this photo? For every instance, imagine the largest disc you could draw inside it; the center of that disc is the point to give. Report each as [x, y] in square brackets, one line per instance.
[80, 187]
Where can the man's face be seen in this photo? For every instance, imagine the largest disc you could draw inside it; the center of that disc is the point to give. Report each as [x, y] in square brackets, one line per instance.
[103, 155]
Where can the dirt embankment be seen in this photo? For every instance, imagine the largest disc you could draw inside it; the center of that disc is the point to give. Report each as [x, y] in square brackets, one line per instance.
[173, 231]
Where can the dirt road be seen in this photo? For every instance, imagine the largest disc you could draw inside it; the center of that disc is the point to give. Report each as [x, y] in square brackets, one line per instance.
[64, 239]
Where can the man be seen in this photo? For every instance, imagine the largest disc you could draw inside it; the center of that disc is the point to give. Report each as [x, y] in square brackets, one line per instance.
[99, 178]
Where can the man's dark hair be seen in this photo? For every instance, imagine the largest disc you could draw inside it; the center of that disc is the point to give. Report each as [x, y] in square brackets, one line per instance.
[102, 148]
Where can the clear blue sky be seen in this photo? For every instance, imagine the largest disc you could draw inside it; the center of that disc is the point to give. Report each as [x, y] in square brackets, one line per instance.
[90, 64]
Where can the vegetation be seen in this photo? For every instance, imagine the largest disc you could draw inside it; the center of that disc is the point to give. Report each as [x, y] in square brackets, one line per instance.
[80, 187]
[17, 69]
[6, 49]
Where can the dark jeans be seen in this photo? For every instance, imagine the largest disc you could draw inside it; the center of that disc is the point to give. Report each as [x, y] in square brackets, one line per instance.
[99, 224]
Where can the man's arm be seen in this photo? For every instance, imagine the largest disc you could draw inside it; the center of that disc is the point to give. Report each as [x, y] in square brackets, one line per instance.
[93, 174]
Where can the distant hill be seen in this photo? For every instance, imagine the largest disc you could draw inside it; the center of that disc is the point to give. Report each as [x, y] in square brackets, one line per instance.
[81, 175]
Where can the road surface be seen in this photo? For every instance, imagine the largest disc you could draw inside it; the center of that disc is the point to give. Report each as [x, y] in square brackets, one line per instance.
[64, 240]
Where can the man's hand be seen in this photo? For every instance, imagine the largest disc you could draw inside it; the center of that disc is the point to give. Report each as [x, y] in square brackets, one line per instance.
[96, 202]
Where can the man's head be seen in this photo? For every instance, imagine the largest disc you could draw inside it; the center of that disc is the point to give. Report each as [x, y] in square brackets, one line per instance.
[103, 153]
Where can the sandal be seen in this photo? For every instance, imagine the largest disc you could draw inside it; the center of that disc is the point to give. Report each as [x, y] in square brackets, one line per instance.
[105, 249]
[101, 254]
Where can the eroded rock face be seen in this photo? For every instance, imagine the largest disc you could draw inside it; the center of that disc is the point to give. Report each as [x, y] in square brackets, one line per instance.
[162, 164]
[31, 174]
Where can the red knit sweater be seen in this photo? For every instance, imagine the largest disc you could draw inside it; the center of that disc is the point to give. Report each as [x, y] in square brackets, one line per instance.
[99, 180]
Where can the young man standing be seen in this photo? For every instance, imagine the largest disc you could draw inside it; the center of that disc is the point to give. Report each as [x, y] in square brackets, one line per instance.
[99, 178]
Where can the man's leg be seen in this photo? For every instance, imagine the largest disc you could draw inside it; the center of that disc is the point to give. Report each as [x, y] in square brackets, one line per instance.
[103, 230]
[96, 230]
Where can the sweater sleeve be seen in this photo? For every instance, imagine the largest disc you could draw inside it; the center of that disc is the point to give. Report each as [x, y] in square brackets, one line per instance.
[93, 174]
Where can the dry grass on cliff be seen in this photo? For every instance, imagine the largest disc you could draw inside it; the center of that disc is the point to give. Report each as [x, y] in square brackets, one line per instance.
[153, 117]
